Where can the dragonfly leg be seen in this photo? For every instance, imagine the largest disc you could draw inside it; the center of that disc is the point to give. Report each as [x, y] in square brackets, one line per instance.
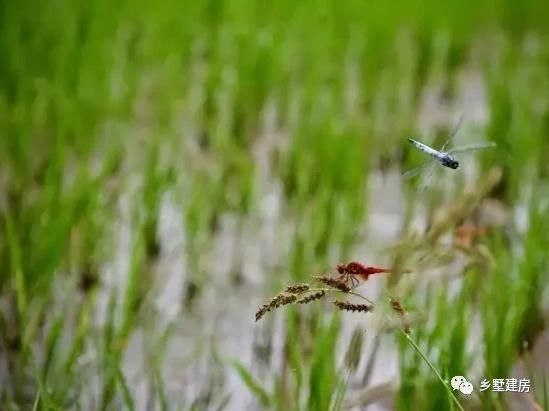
[348, 279]
[354, 281]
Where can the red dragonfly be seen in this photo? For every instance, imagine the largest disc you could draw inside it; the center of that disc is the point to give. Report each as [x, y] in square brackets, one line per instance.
[353, 272]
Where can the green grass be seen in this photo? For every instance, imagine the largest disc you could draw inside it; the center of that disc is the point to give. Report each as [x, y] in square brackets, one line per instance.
[105, 107]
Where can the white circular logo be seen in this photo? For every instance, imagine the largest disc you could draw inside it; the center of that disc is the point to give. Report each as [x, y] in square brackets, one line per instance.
[460, 383]
[466, 388]
[456, 381]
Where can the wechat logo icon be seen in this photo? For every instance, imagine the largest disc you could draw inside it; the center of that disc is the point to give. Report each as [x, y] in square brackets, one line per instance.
[460, 383]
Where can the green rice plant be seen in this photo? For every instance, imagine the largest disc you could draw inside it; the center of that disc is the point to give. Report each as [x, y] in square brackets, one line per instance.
[96, 93]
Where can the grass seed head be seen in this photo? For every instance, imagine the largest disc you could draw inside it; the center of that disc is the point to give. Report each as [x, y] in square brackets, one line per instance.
[316, 295]
[297, 288]
[334, 283]
[277, 301]
[396, 306]
[347, 306]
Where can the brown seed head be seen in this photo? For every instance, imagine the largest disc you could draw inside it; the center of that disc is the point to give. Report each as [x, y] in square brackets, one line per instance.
[396, 306]
[316, 295]
[347, 306]
[297, 288]
[334, 283]
[277, 301]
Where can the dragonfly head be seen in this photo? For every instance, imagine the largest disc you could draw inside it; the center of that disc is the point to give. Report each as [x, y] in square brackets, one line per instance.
[450, 162]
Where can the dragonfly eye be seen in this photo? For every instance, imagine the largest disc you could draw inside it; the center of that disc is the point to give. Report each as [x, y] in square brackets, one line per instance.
[449, 161]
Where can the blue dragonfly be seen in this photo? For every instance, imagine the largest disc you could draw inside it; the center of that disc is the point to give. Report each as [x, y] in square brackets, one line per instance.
[444, 157]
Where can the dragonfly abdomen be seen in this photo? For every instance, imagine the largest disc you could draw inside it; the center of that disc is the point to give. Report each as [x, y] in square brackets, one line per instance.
[426, 149]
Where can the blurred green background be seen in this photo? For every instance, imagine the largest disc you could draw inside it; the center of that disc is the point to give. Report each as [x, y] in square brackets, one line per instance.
[165, 167]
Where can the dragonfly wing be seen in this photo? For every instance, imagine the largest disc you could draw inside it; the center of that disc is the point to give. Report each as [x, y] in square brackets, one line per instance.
[453, 133]
[416, 170]
[427, 178]
[471, 147]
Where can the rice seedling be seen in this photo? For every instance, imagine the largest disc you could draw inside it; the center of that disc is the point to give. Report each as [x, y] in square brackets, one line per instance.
[149, 157]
